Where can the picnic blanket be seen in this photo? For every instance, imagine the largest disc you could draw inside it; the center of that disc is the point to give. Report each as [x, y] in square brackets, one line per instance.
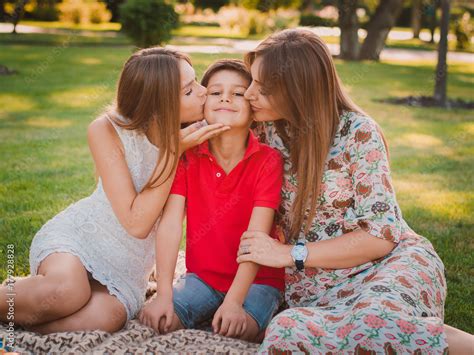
[134, 338]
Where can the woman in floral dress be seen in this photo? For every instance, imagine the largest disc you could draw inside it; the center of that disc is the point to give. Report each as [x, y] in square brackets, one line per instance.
[369, 283]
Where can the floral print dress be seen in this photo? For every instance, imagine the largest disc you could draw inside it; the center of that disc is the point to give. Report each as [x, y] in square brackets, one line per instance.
[394, 305]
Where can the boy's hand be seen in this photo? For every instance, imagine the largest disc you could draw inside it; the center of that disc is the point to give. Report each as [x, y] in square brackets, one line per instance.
[230, 320]
[158, 314]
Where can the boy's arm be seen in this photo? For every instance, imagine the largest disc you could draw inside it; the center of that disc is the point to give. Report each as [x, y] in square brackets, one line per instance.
[261, 220]
[230, 318]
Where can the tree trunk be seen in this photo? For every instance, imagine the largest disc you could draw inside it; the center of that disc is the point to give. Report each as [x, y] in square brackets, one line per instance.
[18, 13]
[113, 7]
[431, 12]
[378, 28]
[3, 15]
[349, 25]
[416, 18]
[442, 67]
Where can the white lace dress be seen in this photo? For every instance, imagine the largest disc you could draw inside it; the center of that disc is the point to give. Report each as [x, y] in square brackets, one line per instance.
[90, 230]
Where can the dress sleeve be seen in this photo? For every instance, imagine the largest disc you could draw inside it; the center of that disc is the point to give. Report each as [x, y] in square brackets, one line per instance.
[375, 207]
[268, 188]
[179, 186]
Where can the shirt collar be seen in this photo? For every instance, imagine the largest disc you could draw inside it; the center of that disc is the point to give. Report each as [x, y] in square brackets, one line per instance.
[253, 146]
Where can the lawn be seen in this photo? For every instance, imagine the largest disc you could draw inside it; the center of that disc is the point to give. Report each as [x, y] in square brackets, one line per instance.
[45, 165]
[210, 32]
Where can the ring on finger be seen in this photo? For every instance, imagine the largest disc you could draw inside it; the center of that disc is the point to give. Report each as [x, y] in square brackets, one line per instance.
[245, 249]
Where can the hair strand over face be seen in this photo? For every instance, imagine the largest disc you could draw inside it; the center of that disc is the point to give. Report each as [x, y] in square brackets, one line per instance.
[148, 95]
[299, 75]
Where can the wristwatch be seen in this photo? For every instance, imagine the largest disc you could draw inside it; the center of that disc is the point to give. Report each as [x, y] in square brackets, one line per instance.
[299, 253]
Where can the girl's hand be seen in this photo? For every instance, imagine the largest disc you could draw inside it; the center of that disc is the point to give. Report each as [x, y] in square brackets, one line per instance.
[198, 133]
[260, 248]
[230, 320]
[158, 314]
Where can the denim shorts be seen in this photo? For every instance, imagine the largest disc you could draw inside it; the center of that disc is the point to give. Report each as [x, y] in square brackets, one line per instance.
[196, 302]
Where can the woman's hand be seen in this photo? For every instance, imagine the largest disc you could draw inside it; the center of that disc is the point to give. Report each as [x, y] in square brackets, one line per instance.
[260, 248]
[198, 133]
[158, 314]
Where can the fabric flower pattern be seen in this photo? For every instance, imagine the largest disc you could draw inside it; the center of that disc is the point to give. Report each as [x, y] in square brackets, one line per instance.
[392, 305]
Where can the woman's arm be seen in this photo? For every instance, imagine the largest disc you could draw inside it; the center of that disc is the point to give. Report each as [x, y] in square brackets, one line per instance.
[136, 211]
[158, 314]
[168, 239]
[349, 250]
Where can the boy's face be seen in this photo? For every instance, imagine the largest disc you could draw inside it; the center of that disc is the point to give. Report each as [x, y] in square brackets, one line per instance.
[225, 100]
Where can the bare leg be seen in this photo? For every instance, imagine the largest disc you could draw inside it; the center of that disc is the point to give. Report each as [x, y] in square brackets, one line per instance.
[459, 342]
[103, 312]
[60, 288]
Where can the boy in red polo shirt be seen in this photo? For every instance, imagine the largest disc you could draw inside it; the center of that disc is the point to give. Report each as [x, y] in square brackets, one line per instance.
[227, 185]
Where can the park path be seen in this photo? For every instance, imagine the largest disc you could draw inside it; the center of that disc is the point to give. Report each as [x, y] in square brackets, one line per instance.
[227, 45]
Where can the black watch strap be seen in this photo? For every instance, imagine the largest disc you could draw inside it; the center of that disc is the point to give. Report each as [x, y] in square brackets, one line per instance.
[299, 265]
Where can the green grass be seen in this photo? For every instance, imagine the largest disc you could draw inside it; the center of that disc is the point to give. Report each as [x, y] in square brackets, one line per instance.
[209, 32]
[183, 31]
[413, 44]
[46, 165]
[61, 40]
[107, 26]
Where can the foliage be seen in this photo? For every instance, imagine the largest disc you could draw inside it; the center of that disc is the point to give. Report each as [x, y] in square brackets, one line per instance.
[77, 11]
[148, 22]
[253, 22]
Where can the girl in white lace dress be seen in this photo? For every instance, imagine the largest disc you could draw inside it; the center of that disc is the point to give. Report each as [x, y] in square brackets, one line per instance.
[91, 262]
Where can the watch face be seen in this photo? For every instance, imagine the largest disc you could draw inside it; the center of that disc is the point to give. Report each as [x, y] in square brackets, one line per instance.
[299, 252]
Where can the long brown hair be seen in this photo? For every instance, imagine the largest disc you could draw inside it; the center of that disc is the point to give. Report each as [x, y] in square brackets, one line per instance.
[297, 69]
[148, 95]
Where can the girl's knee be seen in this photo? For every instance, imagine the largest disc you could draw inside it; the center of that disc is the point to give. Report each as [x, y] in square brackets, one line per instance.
[115, 320]
[63, 296]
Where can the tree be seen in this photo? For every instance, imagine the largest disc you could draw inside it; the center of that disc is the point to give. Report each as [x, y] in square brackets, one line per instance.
[3, 14]
[442, 67]
[267, 5]
[380, 24]
[213, 4]
[378, 28]
[113, 6]
[349, 25]
[18, 13]
[416, 18]
[148, 22]
[431, 13]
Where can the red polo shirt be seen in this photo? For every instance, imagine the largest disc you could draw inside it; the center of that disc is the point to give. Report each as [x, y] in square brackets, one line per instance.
[219, 207]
